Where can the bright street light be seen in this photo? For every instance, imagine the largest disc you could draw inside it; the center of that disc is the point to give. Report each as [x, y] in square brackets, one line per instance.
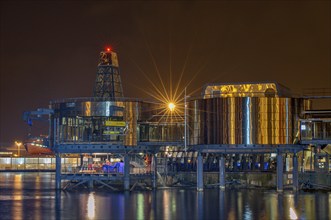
[171, 106]
[18, 144]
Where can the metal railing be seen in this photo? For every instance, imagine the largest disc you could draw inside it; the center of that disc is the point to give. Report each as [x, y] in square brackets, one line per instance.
[315, 129]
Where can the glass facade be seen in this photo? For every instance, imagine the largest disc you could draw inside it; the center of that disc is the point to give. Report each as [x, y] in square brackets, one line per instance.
[91, 129]
[161, 132]
[120, 121]
[315, 129]
[36, 163]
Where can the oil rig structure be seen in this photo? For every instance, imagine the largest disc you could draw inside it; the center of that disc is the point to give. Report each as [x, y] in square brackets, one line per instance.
[232, 126]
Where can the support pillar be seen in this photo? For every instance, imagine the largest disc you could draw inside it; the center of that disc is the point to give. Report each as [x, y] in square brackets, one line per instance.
[317, 150]
[295, 172]
[253, 162]
[222, 172]
[126, 172]
[200, 173]
[280, 171]
[154, 167]
[58, 171]
[81, 161]
[311, 158]
[327, 162]
[90, 184]
[262, 162]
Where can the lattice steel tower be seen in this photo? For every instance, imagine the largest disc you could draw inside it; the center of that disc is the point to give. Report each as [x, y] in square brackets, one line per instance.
[108, 82]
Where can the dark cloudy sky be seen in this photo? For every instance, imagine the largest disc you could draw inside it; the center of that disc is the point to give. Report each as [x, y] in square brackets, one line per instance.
[49, 49]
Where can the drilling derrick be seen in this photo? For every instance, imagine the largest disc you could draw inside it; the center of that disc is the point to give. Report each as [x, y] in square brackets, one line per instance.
[108, 81]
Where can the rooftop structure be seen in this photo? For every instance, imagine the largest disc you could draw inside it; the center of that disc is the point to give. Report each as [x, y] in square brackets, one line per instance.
[108, 81]
[255, 89]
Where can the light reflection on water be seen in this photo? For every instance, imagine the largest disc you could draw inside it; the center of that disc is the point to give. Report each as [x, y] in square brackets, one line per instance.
[91, 206]
[17, 185]
[140, 206]
[27, 196]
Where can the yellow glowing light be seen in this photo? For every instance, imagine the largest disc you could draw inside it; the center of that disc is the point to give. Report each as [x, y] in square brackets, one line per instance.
[171, 106]
[18, 144]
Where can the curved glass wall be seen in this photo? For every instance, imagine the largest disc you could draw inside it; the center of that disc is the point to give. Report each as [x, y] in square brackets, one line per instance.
[122, 121]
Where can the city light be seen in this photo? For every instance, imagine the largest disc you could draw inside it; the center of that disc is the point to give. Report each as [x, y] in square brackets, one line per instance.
[293, 215]
[91, 206]
[18, 144]
[171, 106]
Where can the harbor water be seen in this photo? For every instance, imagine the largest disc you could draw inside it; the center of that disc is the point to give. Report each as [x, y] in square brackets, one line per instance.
[32, 196]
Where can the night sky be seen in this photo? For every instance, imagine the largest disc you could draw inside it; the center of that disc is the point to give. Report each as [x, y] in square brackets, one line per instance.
[50, 49]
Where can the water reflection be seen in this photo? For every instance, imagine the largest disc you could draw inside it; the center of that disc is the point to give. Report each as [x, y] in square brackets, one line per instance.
[140, 206]
[289, 202]
[153, 213]
[293, 215]
[222, 204]
[200, 204]
[247, 213]
[280, 205]
[24, 196]
[17, 207]
[58, 201]
[91, 206]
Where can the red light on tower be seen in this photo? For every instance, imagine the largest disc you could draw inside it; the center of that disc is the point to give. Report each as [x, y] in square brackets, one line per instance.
[108, 49]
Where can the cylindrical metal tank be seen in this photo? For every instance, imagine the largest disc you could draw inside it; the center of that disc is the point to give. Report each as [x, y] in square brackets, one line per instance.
[243, 120]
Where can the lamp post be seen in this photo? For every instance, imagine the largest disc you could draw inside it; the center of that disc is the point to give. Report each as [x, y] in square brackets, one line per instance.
[185, 120]
[18, 144]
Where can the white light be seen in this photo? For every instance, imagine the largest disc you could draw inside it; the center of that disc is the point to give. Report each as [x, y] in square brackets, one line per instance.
[91, 206]
[293, 215]
[171, 106]
[303, 127]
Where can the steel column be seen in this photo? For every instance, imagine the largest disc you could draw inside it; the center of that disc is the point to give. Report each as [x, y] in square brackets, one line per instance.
[200, 173]
[154, 171]
[126, 172]
[81, 161]
[327, 162]
[262, 162]
[90, 184]
[317, 149]
[295, 172]
[222, 172]
[280, 171]
[58, 171]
